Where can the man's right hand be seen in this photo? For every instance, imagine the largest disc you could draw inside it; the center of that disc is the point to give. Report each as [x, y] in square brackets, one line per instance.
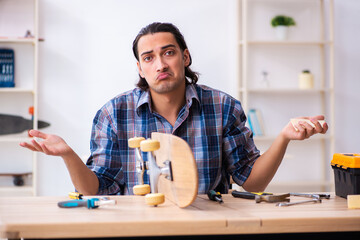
[50, 144]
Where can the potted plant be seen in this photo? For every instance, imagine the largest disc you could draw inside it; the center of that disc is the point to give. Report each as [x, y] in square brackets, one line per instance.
[281, 24]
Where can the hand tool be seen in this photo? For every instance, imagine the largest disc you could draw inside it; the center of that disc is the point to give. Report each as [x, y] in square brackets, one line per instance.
[272, 198]
[89, 203]
[75, 195]
[247, 195]
[312, 195]
[315, 200]
[215, 196]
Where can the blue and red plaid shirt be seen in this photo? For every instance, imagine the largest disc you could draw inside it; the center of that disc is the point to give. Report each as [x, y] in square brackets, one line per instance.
[211, 122]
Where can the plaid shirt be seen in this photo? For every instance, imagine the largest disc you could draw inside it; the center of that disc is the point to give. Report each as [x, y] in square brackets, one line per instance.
[211, 122]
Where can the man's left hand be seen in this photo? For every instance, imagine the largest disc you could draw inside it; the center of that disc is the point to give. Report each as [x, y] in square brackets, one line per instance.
[303, 129]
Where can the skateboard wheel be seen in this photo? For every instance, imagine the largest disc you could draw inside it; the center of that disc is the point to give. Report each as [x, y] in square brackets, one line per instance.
[18, 181]
[141, 189]
[135, 142]
[149, 145]
[154, 199]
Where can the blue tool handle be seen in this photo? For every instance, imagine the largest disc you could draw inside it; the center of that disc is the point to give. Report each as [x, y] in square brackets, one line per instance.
[73, 203]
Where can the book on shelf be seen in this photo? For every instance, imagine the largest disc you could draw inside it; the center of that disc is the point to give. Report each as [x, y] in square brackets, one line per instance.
[256, 122]
[7, 64]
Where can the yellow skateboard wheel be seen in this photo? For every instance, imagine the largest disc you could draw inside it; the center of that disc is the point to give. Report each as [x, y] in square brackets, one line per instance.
[135, 142]
[141, 189]
[149, 145]
[154, 199]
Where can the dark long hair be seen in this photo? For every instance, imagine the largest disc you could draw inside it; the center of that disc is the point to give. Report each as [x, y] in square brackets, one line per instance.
[163, 27]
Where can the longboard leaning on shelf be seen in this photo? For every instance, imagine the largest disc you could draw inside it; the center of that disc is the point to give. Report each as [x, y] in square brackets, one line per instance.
[18, 178]
[171, 167]
[10, 124]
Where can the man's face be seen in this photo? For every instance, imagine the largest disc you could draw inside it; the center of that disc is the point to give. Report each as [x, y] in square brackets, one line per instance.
[161, 62]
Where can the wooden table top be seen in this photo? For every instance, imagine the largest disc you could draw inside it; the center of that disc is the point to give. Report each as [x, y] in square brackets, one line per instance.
[35, 217]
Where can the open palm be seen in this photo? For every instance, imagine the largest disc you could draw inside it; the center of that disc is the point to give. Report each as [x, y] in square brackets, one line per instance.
[50, 144]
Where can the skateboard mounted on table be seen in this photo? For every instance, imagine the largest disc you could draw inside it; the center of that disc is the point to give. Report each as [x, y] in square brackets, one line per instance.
[171, 168]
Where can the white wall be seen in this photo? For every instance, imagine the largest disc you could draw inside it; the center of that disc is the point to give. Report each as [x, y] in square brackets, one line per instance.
[347, 75]
[86, 59]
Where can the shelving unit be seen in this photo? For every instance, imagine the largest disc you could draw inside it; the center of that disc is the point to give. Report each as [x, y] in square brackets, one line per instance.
[306, 166]
[21, 15]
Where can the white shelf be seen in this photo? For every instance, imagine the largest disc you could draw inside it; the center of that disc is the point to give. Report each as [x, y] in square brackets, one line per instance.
[16, 191]
[17, 40]
[313, 138]
[16, 90]
[17, 98]
[286, 42]
[295, 186]
[284, 91]
[301, 186]
[280, 62]
[14, 139]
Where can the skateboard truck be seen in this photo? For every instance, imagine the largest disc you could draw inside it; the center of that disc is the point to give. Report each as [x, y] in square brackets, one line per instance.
[154, 170]
[141, 189]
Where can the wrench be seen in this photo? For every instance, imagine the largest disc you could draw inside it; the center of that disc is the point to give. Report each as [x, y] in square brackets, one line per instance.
[315, 200]
[317, 195]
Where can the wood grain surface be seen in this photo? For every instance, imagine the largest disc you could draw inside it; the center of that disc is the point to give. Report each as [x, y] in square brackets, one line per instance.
[40, 217]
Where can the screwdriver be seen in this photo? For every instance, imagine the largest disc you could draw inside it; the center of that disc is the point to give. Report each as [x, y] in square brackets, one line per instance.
[215, 196]
[89, 203]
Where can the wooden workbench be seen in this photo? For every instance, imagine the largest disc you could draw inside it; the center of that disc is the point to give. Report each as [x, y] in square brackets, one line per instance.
[40, 217]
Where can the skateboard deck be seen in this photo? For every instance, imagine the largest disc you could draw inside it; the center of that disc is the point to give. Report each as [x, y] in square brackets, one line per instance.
[10, 124]
[183, 189]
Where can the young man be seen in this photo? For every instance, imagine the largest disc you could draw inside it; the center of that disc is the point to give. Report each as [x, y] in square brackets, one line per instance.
[168, 99]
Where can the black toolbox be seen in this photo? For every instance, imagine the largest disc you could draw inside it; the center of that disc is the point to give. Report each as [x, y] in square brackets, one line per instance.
[347, 174]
